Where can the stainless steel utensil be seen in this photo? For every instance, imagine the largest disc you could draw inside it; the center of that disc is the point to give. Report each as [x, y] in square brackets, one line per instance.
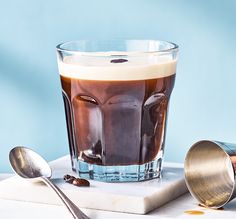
[30, 165]
[210, 172]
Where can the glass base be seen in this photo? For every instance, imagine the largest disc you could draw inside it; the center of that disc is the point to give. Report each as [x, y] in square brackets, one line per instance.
[130, 173]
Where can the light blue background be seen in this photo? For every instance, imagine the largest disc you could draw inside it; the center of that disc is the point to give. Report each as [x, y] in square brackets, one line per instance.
[203, 104]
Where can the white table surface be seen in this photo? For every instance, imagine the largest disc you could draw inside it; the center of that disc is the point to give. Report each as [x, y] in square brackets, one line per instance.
[175, 209]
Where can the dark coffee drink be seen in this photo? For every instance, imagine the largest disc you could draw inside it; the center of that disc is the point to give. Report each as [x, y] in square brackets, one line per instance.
[117, 120]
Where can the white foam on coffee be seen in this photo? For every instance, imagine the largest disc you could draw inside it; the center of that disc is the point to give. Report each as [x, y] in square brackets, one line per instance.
[99, 67]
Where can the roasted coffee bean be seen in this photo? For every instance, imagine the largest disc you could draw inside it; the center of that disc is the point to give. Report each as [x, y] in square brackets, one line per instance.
[68, 178]
[119, 60]
[80, 182]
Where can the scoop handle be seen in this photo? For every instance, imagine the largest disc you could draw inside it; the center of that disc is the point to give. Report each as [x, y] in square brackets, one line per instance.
[73, 209]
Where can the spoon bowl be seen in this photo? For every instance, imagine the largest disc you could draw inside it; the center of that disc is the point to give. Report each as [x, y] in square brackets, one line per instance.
[28, 164]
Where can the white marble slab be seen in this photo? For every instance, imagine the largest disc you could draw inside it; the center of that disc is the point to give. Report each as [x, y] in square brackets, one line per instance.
[139, 198]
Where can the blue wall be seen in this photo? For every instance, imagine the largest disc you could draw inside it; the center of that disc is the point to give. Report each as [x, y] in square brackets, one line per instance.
[203, 103]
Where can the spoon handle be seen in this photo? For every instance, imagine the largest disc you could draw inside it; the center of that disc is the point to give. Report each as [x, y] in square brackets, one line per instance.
[74, 210]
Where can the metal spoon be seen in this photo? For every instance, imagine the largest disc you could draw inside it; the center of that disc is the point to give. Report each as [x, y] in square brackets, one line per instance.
[30, 165]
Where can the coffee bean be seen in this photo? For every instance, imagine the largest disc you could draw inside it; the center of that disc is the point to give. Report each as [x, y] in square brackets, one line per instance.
[67, 176]
[80, 182]
[76, 181]
[119, 60]
[69, 179]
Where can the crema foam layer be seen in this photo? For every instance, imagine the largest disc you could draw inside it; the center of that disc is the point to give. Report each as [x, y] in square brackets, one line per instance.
[101, 68]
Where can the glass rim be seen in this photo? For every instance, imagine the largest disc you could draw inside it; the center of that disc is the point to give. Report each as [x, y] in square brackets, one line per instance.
[173, 48]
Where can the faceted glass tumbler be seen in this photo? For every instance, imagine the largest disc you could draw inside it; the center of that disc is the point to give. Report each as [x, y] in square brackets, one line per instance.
[116, 95]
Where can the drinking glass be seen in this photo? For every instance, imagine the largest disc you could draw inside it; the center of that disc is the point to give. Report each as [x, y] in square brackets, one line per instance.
[116, 95]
